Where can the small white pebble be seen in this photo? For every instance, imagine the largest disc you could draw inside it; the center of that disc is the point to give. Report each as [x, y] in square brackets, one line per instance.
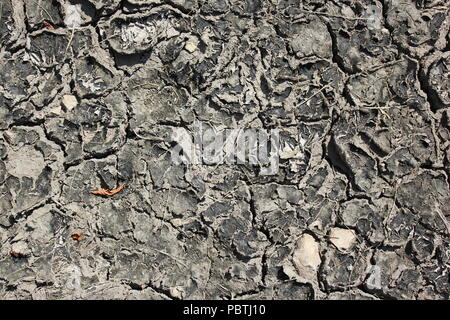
[69, 102]
[191, 47]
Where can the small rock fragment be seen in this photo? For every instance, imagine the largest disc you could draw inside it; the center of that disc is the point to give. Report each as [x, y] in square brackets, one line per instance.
[306, 256]
[176, 222]
[343, 239]
[191, 47]
[69, 102]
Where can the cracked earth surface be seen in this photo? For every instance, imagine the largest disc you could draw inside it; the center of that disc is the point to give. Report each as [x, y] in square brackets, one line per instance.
[358, 89]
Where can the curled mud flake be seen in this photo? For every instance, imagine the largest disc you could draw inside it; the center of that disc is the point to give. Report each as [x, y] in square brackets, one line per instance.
[108, 193]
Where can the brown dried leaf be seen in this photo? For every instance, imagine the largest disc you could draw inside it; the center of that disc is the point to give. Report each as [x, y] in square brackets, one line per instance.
[15, 254]
[108, 193]
[48, 25]
[77, 236]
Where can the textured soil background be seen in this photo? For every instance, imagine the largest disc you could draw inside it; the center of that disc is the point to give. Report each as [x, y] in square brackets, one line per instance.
[89, 91]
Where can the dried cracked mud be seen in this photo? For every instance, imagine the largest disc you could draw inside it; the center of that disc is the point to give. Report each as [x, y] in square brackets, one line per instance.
[90, 90]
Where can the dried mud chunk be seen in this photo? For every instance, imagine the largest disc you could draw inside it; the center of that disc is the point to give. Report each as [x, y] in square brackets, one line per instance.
[16, 77]
[285, 291]
[105, 6]
[6, 21]
[82, 41]
[386, 82]
[315, 108]
[164, 172]
[215, 6]
[3, 171]
[47, 49]
[425, 195]
[401, 163]
[417, 31]
[234, 275]
[276, 223]
[343, 270]
[182, 203]
[250, 243]
[265, 198]
[113, 218]
[321, 215]
[356, 161]
[39, 11]
[42, 225]
[393, 275]
[67, 134]
[14, 270]
[370, 89]
[439, 81]
[91, 114]
[25, 162]
[28, 178]
[48, 87]
[229, 226]
[364, 49]
[438, 275]
[292, 291]
[408, 284]
[290, 193]
[152, 101]
[359, 214]
[100, 125]
[142, 2]
[311, 39]
[277, 256]
[400, 227]
[405, 84]
[134, 34]
[422, 244]
[5, 112]
[166, 264]
[92, 78]
[89, 175]
[378, 140]
[171, 50]
[102, 141]
[130, 267]
[253, 6]
[29, 195]
[216, 210]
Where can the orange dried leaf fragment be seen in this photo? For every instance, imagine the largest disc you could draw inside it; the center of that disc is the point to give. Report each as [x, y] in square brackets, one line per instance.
[15, 254]
[77, 236]
[108, 193]
[48, 25]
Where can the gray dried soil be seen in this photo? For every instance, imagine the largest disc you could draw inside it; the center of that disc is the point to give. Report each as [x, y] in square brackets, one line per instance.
[90, 89]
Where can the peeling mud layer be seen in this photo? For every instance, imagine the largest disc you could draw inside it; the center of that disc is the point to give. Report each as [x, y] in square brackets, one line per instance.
[360, 94]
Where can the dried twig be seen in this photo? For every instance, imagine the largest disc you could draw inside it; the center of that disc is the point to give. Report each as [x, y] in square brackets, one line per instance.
[70, 40]
[444, 219]
[314, 94]
[172, 257]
